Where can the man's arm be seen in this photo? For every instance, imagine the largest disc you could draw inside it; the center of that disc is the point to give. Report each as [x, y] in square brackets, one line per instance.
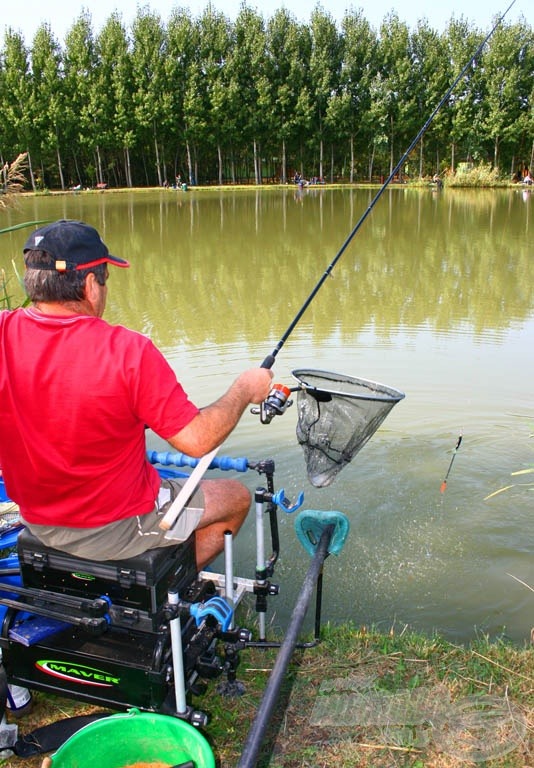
[212, 425]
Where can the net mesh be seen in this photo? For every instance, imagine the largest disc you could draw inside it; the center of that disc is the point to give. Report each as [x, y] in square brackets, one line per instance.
[337, 415]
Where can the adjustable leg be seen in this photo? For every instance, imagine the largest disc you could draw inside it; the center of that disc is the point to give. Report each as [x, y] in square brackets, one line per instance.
[229, 571]
[177, 659]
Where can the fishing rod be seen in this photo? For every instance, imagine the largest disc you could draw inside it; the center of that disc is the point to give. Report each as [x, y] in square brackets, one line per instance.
[270, 359]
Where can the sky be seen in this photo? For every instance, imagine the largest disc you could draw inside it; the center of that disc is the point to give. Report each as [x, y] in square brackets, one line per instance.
[61, 14]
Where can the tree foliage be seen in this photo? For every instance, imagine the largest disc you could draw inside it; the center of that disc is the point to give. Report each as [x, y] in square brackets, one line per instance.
[214, 100]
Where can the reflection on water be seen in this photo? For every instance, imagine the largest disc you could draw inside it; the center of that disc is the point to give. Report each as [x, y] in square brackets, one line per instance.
[434, 296]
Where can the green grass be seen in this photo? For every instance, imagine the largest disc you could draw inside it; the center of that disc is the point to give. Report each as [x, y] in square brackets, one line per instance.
[369, 700]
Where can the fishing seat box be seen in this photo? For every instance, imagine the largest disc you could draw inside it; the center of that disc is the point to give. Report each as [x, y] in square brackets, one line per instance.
[137, 587]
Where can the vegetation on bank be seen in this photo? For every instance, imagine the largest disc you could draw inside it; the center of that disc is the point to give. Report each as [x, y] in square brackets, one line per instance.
[361, 698]
[214, 100]
[12, 185]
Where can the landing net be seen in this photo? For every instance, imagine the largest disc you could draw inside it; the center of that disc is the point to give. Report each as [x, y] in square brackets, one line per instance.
[337, 415]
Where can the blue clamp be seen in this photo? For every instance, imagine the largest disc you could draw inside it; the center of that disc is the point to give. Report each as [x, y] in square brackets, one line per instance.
[280, 499]
[310, 524]
[107, 599]
[216, 607]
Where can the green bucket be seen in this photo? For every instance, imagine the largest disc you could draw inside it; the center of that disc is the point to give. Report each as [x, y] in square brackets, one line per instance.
[122, 740]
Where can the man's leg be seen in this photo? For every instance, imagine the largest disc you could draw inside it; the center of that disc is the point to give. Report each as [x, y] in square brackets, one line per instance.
[227, 503]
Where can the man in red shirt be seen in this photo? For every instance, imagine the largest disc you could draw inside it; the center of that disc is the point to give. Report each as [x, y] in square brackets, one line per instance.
[76, 395]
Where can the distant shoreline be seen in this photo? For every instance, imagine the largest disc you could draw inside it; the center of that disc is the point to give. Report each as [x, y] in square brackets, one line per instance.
[419, 184]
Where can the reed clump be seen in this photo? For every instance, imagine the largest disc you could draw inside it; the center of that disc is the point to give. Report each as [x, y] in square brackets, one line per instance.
[469, 175]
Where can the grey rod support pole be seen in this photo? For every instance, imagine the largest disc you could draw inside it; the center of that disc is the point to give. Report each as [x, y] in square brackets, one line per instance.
[269, 698]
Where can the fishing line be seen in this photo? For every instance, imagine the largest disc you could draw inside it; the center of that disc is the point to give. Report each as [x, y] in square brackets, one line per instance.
[270, 359]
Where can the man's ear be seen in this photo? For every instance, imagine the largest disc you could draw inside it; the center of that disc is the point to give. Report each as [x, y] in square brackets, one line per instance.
[91, 288]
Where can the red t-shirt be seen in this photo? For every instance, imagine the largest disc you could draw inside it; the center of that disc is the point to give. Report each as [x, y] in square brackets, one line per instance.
[75, 396]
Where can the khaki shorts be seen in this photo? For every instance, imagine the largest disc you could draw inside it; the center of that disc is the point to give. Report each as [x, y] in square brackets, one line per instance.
[128, 537]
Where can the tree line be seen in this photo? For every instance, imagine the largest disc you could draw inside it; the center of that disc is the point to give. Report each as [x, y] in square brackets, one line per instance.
[259, 99]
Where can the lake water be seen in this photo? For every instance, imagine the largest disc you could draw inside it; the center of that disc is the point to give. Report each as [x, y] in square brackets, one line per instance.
[434, 296]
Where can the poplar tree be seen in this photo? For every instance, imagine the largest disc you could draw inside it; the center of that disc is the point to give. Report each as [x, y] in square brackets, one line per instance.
[181, 61]
[148, 56]
[325, 67]
[220, 98]
[15, 98]
[246, 68]
[461, 42]
[288, 50]
[113, 87]
[82, 118]
[352, 105]
[47, 105]
[398, 86]
[431, 78]
[503, 78]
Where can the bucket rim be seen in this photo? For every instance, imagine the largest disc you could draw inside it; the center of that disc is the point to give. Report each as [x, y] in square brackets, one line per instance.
[193, 737]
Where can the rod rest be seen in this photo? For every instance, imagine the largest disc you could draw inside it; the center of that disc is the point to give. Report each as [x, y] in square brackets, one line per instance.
[96, 608]
[226, 463]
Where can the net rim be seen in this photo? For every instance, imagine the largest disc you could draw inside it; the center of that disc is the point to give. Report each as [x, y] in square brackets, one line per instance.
[379, 392]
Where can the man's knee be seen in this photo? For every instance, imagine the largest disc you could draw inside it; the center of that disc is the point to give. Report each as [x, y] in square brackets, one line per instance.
[226, 500]
[244, 498]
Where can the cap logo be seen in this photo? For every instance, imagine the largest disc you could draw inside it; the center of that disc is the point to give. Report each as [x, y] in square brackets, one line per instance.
[38, 239]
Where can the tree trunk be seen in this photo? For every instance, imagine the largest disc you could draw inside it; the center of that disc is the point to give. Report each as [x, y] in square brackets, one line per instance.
[99, 165]
[371, 163]
[147, 180]
[189, 162]
[219, 155]
[321, 148]
[127, 167]
[351, 177]
[284, 162]
[158, 168]
[391, 163]
[332, 164]
[60, 169]
[30, 168]
[453, 158]
[78, 174]
[421, 158]
[257, 163]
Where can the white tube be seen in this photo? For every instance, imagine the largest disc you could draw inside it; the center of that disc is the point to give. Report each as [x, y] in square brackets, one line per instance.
[229, 571]
[177, 658]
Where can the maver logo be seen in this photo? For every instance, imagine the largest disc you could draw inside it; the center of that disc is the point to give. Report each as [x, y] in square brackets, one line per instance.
[77, 673]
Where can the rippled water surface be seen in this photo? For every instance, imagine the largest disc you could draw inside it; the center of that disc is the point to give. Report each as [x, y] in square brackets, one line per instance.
[434, 296]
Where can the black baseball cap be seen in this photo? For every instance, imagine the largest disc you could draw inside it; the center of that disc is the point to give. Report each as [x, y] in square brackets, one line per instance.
[73, 245]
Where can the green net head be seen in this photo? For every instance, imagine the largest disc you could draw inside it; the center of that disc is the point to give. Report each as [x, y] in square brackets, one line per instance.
[337, 415]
